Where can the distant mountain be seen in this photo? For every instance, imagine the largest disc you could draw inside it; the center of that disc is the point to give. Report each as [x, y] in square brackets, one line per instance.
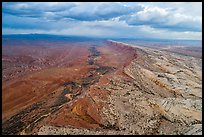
[43, 39]
[48, 36]
[13, 38]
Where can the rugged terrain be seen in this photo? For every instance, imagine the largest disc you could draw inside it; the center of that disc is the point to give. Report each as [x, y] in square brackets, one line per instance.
[110, 88]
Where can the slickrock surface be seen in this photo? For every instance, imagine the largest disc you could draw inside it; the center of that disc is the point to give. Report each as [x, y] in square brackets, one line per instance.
[123, 90]
[164, 96]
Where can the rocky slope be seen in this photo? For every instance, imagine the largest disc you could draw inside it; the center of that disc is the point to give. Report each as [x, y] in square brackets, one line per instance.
[161, 95]
[112, 89]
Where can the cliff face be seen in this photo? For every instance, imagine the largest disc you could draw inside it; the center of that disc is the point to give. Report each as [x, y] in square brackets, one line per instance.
[111, 89]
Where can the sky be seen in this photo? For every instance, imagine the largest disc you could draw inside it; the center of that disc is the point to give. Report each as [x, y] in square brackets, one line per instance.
[161, 20]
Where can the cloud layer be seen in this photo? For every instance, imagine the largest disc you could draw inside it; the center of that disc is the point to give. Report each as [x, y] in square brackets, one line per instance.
[104, 19]
[165, 18]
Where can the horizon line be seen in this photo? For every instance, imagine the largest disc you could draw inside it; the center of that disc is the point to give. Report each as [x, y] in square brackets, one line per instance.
[100, 37]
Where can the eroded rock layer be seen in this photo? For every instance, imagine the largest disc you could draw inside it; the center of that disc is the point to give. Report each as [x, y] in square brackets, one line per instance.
[111, 89]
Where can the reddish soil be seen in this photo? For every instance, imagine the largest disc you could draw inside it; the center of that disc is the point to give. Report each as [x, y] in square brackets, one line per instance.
[116, 55]
[85, 112]
[28, 87]
[64, 89]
